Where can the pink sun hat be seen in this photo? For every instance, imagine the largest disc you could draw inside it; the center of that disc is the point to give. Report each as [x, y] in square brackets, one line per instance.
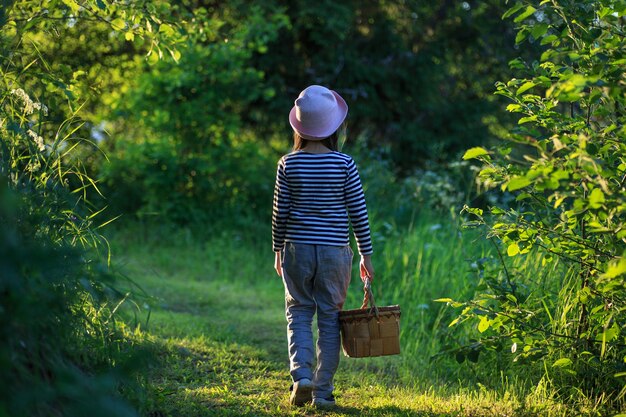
[318, 112]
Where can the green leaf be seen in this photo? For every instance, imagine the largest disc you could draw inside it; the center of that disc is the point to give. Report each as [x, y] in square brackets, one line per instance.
[517, 63]
[513, 249]
[513, 10]
[528, 12]
[547, 54]
[129, 36]
[523, 120]
[118, 24]
[517, 183]
[573, 56]
[539, 30]
[167, 30]
[611, 333]
[559, 201]
[548, 39]
[483, 325]
[521, 35]
[526, 86]
[175, 54]
[615, 269]
[596, 199]
[604, 11]
[72, 5]
[562, 363]
[513, 108]
[455, 321]
[475, 153]
[152, 57]
[443, 300]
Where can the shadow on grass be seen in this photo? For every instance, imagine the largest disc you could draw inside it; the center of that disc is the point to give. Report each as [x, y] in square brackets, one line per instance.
[208, 378]
[221, 350]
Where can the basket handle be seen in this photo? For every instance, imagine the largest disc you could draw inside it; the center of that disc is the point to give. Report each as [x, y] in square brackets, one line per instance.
[368, 297]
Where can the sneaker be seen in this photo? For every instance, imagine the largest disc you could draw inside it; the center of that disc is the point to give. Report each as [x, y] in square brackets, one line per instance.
[301, 392]
[324, 402]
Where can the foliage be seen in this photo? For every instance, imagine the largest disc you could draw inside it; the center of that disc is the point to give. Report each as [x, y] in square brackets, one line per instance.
[417, 78]
[156, 180]
[565, 163]
[84, 50]
[57, 320]
[61, 350]
[416, 75]
[64, 350]
[186, 153]
[205, 97]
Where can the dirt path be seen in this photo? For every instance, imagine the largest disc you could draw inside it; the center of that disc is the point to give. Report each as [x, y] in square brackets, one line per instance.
[221, 351]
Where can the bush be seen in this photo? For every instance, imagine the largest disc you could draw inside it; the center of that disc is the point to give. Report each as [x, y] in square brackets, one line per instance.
[155, 180]
[58, 338]
[567, 178]
[62, 351]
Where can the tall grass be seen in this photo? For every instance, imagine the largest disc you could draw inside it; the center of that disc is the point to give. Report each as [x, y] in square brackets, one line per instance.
[415, 265]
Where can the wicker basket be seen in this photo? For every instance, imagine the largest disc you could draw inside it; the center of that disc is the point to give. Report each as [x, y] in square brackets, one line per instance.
[373, 331]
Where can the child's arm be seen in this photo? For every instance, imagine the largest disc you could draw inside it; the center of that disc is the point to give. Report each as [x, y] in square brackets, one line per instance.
[280, 213]
[357, 210]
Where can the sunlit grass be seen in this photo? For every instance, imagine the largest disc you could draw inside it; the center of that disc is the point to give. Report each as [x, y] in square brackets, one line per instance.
[218, 329]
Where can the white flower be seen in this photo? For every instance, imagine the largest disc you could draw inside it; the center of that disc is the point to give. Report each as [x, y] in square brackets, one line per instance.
[29, 105]
[43, 108]
[38, 140]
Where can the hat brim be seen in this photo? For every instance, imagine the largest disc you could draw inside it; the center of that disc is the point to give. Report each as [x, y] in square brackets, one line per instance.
[321, 132]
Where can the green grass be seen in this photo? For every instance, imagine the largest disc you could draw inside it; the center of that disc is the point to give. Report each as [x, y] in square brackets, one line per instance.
[218, 332]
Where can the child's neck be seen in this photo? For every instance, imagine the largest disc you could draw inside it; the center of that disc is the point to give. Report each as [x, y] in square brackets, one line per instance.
[315, 147]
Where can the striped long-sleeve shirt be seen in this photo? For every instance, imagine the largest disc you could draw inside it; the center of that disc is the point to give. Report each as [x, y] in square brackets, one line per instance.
[315, 198]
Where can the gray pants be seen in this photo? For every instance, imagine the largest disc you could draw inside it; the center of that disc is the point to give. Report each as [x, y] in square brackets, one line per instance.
[316, 279]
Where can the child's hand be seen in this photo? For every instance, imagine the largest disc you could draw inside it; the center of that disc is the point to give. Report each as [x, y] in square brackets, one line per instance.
[367, 270]
[277, 264]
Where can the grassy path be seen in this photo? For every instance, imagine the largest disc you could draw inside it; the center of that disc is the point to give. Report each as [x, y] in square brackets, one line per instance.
[218, 330]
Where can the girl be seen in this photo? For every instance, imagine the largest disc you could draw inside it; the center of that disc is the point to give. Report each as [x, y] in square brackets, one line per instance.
[318, 192]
